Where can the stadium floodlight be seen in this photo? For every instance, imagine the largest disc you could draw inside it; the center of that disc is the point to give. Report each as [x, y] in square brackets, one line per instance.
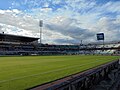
[41, 25]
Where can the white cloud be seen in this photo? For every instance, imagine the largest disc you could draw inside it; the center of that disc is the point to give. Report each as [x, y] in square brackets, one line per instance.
[111, 28]
[23, 21]
[46, 10]
[71, 22]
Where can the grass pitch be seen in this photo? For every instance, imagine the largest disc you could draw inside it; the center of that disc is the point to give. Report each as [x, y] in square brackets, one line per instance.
[19, 73]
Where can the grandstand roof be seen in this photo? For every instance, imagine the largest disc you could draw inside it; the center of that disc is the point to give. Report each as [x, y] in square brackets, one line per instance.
[16, 38]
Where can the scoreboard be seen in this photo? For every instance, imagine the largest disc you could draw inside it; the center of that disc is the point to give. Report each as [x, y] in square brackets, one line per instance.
[100, 36]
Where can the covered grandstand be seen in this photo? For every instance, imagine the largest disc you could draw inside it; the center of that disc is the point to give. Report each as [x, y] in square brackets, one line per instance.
[15, 38]
[16, 45]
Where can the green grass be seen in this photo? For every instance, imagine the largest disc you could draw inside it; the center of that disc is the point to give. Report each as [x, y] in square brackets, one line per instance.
[19, 73]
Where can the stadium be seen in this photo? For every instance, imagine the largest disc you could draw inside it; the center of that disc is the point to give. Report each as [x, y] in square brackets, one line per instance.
[27, 64]
[59, 45]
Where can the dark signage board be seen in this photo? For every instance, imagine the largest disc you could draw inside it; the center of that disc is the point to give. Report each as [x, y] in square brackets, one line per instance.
[100, 36]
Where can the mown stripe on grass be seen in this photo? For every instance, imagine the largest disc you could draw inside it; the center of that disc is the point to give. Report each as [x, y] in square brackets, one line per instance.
[52, 71]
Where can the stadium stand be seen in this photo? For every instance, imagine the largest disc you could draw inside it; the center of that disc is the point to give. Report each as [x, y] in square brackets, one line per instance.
[16, 45]
[21, 45]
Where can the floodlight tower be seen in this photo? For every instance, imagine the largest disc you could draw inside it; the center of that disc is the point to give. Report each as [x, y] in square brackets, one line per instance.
[41, 25]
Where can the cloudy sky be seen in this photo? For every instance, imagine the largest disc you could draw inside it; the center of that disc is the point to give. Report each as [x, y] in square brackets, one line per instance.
[65, 21]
